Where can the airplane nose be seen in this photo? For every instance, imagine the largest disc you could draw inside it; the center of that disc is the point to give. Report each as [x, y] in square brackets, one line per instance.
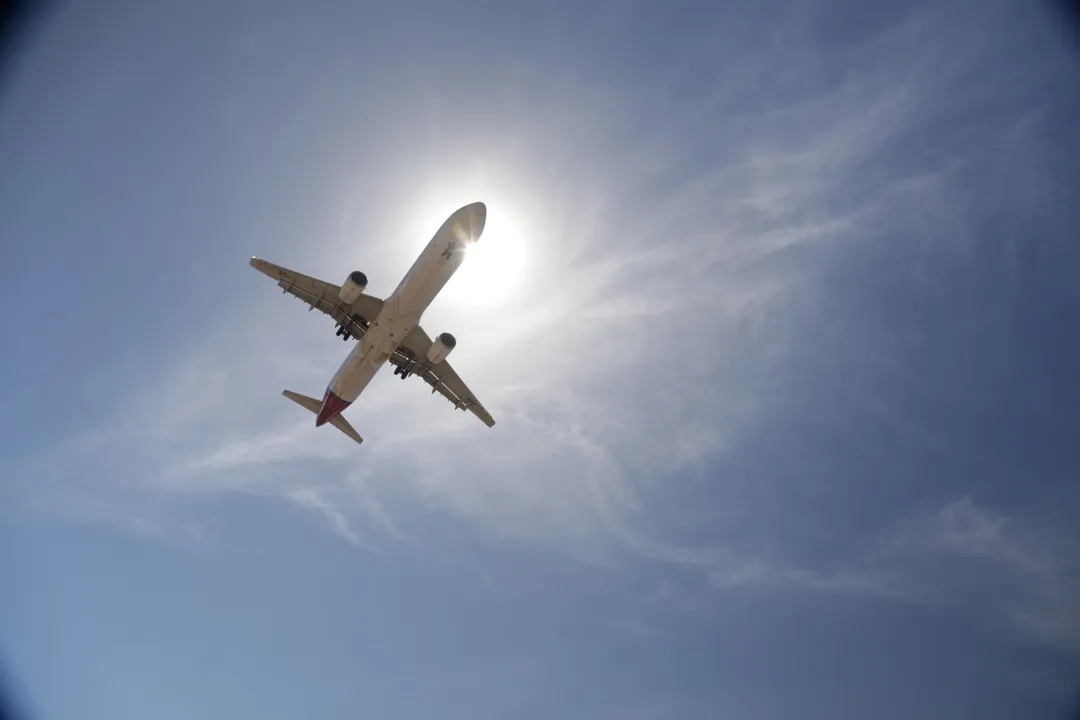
[474, 217]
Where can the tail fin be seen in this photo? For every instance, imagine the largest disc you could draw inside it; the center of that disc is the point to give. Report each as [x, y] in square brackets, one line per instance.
[313, 405]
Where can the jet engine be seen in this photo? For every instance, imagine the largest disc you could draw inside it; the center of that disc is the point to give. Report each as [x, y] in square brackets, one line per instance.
[439, 349]
[353, 287]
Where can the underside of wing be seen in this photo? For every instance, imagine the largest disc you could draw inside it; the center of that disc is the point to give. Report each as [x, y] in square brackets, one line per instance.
[320, 295]
[411, 356]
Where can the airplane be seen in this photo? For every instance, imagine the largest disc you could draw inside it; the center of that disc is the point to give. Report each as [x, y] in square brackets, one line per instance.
[389, 330]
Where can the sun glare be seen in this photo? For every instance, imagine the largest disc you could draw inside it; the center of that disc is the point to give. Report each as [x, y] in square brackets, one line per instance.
[496, 267]
[493, 265]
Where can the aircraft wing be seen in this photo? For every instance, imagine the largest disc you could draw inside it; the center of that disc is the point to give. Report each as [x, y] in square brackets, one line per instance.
[321, 295]
[440, 377]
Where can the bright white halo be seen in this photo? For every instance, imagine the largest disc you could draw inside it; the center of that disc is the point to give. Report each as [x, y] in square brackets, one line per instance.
[493, 266]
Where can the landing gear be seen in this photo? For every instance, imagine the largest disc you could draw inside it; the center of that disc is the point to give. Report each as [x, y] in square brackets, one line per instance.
[344, 330]
[408, 364]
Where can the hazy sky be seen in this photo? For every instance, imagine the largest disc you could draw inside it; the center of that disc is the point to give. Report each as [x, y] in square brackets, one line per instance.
[776, 311]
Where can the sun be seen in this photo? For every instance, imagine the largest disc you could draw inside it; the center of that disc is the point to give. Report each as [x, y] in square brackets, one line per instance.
[496, 268]
[493, 265]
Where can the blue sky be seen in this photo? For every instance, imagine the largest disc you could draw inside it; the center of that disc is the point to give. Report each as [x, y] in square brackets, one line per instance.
[776, 313]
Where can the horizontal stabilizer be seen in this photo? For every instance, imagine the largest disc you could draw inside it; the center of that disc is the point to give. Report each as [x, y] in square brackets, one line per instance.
[308, 403]
[313, 405]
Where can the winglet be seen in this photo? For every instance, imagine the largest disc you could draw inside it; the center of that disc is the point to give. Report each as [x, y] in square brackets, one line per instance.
[312, 405]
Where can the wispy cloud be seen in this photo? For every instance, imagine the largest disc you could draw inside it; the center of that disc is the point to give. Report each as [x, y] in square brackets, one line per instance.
[964, 530]
[1024, 568]
[307, 497]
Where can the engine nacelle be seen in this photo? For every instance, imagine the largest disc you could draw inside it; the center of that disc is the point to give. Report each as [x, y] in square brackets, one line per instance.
[353, 287]
[439, 349]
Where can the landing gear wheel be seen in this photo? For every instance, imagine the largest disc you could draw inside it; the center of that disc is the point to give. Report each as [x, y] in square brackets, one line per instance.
[340, 329]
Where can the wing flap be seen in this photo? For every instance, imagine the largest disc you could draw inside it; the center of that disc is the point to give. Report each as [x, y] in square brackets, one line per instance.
[441, 377]
[323, 296]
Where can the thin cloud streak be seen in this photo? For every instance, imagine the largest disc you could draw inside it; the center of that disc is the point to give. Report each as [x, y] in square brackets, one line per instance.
[1024, 568]
[307, 497]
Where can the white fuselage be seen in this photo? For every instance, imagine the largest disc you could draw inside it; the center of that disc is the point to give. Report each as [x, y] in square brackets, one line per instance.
[402, 310]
